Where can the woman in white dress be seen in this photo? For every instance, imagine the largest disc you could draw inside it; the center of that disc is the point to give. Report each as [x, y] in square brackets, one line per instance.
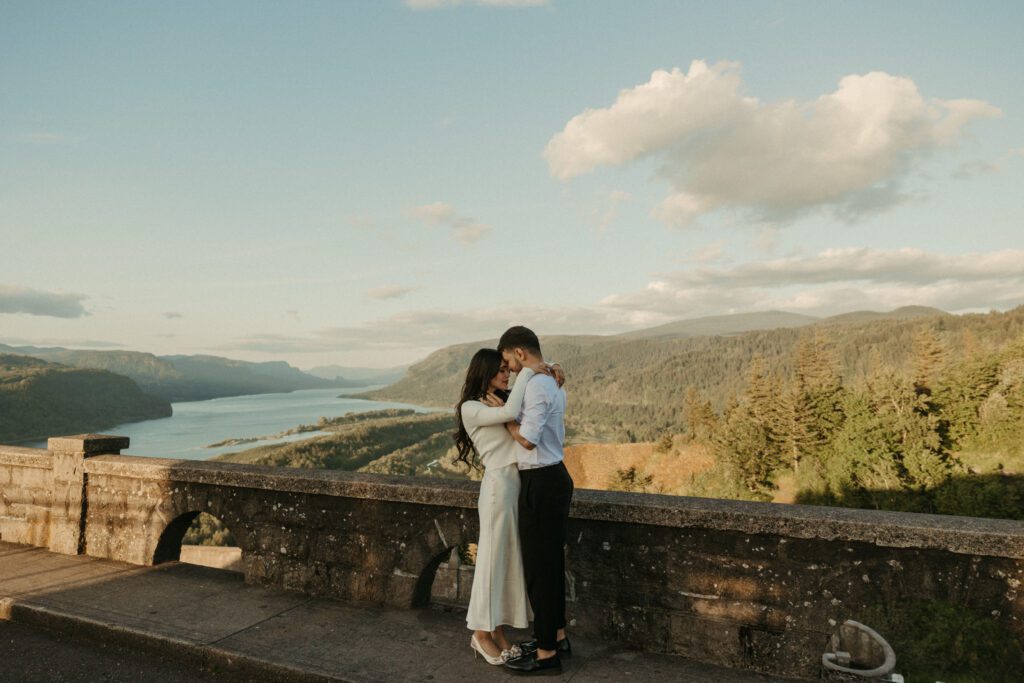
[499, 588]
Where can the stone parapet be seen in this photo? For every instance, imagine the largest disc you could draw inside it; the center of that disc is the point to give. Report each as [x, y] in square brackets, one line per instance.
[359, 485]
[26, 495]
[14, 456]
[69, 503]
[966, 535]
[88, 444]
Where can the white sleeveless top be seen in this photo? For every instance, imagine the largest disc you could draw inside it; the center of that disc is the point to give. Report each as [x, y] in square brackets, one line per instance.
[486, 425]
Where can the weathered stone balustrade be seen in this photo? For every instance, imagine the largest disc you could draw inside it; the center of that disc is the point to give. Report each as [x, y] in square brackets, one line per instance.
[747, 585]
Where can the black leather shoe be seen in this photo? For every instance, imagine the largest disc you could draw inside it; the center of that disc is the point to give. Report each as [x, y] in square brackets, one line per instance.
[529, 665]
[562, 647]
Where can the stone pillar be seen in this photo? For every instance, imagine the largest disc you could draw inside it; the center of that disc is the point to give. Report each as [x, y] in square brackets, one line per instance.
[69, 503]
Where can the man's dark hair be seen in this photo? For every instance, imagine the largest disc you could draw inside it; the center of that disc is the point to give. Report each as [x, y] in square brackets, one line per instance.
[519, 337]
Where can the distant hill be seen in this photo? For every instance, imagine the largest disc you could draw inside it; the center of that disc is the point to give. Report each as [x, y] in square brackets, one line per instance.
[40, 399]
[904, 313]
[631, 389]
[184, 378]
[722, 325]
[358, 376]
[213, 377]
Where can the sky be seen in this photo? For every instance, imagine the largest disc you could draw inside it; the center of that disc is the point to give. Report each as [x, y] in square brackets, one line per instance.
[361, 183]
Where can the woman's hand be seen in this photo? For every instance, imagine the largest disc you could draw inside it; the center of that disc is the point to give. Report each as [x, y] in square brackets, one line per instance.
[553, 370]
[492, 400]
[513, 430]
[558, 373]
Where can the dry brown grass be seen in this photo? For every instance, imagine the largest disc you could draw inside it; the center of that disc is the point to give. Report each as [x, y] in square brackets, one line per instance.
[595, 465]
[787, 488]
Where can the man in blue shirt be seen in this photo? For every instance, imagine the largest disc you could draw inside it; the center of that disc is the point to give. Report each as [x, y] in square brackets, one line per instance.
[544, 499]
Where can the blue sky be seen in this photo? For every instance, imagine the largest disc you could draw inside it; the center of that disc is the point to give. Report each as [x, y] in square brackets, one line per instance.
[364, 182]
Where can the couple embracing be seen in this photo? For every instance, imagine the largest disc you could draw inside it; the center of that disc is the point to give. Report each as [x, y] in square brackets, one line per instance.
[518, 437]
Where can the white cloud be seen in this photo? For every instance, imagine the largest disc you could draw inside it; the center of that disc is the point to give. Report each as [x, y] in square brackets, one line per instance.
[443, 4]
[364, 222]
[62, 342]
[709, 252]
[978, 167]
[833, 281]
[389, 292]
[437, 213]
[837, 280]
[469, 232]
[847, 150]
[420, 332]
[38, 302]
[604, 217]
[464, 230]
[908, 265]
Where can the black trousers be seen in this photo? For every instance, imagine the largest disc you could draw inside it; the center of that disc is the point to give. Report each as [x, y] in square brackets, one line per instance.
[543, 525]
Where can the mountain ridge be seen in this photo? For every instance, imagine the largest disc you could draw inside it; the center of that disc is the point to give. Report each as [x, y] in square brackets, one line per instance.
[185, 378]
[363, 376]
[736, 323]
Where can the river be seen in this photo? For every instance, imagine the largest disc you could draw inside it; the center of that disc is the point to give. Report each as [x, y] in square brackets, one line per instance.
[197, 424]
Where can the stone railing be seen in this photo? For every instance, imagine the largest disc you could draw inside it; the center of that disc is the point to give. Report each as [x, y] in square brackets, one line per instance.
[745, 585]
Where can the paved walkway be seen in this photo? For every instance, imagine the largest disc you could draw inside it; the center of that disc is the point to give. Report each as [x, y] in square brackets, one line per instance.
[31, 655]
[212, 620]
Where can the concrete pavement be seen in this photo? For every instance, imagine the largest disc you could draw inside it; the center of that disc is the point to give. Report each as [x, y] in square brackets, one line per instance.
[30, 655]
[211, 620]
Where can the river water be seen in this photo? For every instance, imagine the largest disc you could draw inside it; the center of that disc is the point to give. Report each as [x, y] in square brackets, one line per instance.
[197, 424]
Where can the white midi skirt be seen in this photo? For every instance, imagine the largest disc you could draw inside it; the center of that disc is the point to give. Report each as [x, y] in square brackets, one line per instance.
[499, 588]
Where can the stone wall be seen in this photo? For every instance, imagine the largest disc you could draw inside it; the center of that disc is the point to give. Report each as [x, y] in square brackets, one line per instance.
[363, 537]
[763, 586]
[747, 585]
[26, 494]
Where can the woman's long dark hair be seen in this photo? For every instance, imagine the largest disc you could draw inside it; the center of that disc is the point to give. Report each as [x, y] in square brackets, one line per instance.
[485, 365]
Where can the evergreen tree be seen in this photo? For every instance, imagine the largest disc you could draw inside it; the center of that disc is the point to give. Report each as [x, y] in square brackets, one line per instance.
[890, 443]
[821, 369]
[860, 470]
[698, 417]
[928, 358]
[748, 434]
[960, 396]
[800, 436]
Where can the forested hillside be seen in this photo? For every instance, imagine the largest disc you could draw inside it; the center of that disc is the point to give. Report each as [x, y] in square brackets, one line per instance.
[942, 431]
[627, 390]
[40, 399]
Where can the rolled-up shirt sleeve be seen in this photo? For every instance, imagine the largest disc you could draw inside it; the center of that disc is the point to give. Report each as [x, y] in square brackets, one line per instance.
[535, 411]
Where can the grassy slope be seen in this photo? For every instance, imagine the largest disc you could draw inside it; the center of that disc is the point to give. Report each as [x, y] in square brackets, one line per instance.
[354, 442]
